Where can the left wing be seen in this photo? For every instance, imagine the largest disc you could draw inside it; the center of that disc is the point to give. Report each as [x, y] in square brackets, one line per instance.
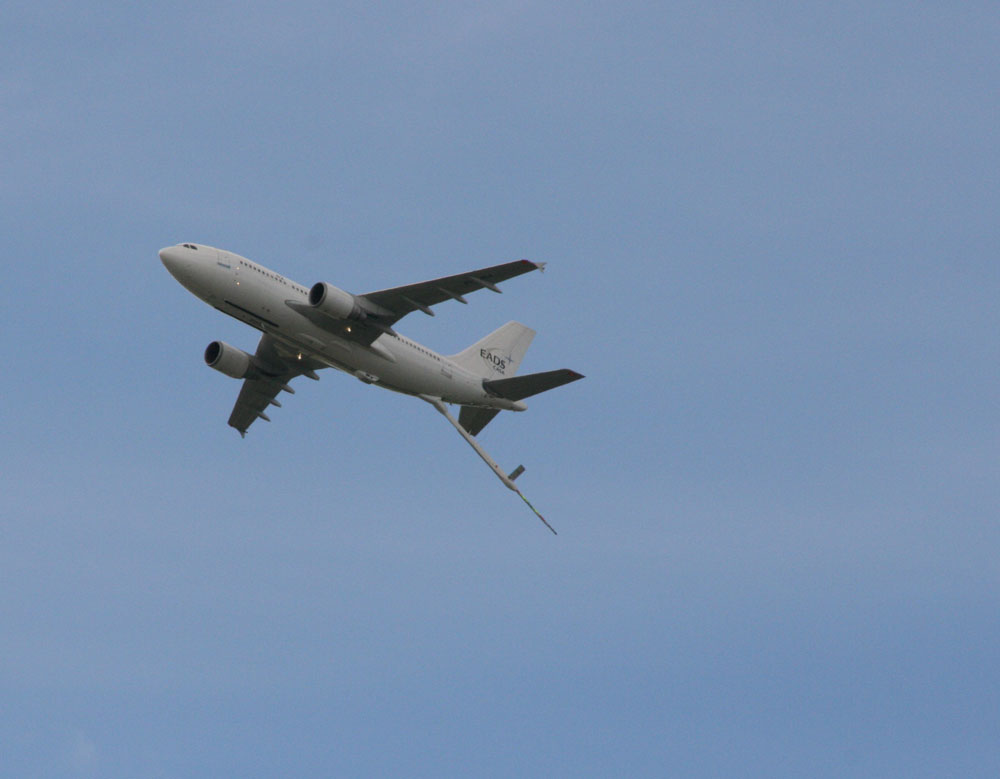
[400, 301]
[274, 368]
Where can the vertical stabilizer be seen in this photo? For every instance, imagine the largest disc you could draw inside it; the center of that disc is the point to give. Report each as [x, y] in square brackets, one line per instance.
[498, 355]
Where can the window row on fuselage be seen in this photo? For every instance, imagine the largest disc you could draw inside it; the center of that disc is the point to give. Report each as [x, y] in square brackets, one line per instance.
[419, 348]
[272, 275]
[282, 280]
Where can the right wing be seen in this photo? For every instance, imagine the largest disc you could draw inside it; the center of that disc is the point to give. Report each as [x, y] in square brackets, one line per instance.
[400, 301]
[363, 333]
[275, 367]
[385, 307]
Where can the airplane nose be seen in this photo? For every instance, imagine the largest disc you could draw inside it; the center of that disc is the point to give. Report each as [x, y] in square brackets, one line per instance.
[173, 258]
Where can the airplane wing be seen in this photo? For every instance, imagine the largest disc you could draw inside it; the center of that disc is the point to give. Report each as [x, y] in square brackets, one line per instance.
[275, 366]
[361, 332]
[400, 301]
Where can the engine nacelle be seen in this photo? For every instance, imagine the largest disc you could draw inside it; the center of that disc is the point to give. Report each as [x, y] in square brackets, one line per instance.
[228, 359]
[335, 302]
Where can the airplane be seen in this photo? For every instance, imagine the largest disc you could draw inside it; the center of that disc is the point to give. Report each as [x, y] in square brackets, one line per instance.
[306, 329]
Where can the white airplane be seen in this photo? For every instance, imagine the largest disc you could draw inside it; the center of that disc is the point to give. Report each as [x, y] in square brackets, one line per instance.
[307, 329]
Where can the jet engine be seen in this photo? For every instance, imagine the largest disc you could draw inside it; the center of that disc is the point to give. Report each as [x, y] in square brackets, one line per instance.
[228, 359]
[335, 302]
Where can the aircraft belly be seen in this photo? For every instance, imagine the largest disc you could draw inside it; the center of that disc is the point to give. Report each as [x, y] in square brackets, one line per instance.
[413, 377]
[390, 365]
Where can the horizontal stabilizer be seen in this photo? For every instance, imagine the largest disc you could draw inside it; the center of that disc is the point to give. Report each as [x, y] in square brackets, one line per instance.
[520, 387]
[475, 419]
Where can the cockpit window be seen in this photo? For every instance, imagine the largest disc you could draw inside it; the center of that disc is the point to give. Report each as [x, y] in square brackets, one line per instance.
[190, 246]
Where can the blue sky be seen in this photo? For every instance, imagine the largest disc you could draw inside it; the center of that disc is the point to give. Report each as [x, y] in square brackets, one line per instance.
[772, 236]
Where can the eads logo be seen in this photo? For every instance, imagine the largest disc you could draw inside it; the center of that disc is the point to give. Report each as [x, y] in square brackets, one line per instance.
[496, 360]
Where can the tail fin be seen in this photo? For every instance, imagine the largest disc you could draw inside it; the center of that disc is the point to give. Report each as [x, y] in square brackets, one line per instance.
[498, 355]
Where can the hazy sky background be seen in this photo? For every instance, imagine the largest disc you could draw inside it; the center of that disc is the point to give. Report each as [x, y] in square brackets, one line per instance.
[772, 236]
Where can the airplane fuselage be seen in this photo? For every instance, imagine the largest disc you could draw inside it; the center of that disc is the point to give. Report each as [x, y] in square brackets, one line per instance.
[267, 301]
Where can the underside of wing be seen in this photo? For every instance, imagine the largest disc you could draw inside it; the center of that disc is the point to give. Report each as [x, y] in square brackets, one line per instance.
[400, 301]
[362, 332]
[273, 368]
